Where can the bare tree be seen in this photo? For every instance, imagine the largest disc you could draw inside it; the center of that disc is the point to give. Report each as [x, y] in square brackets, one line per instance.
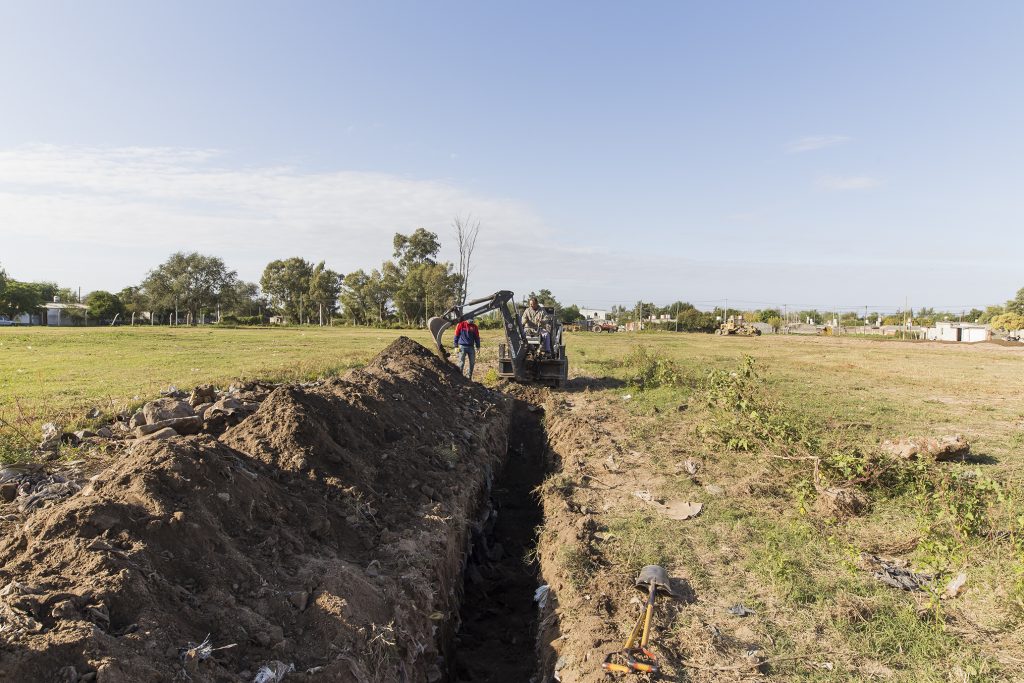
[466, 230]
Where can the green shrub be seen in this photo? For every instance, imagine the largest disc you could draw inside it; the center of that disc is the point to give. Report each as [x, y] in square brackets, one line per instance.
[648, 369]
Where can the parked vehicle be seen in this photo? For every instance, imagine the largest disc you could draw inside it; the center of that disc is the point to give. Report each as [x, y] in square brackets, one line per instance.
[603, 326]
[736, 325]
[5, 321]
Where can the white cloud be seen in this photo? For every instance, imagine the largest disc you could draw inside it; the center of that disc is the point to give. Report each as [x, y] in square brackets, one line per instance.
[161, 200]
[847, 182]
[812, 142]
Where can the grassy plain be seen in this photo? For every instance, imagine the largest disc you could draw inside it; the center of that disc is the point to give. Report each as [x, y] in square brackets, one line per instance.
[62, 373]
[765, 541]
[759, 541]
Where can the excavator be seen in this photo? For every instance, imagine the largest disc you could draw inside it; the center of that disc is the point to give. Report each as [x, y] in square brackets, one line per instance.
[522, 358]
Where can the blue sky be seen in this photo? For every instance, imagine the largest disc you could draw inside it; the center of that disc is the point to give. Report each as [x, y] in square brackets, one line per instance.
[818, 154]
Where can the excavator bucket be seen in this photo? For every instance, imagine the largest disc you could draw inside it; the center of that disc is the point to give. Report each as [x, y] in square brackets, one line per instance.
[437, 326]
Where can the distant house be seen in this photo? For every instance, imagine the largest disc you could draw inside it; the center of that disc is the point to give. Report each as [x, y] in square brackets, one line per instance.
[958, 332]
[278, 320]
[57, 314]
[593, 314]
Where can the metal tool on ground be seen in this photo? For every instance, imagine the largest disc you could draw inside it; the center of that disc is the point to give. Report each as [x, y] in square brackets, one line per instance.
[635, 655]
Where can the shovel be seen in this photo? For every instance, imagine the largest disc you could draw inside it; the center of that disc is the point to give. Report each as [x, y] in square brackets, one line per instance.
[652, 580]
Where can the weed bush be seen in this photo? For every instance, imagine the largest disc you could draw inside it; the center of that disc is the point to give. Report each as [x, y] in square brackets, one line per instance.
[959, 510]
[646, 369]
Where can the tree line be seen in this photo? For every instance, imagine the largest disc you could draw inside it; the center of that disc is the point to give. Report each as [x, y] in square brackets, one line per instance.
[192, 288]
[406, 290]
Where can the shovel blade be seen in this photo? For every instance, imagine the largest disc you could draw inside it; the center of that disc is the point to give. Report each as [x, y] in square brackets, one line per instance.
[654, 575]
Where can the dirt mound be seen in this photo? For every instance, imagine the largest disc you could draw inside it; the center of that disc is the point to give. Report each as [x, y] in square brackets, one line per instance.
[325, 532]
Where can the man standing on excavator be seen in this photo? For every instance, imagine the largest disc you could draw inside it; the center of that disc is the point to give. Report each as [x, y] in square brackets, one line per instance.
[467, 341]
[535, 322]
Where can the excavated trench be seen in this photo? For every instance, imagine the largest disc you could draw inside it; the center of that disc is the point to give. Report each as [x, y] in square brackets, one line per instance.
[496, 632]
[366, 529]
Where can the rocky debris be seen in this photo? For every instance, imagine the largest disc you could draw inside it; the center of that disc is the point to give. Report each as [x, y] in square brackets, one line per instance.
[841, 502]
[204, 393]
[225, 406]
[166, 409]
[30, 486]
[51, 437]
[895, 573]
[942, 449]
[294, 536]
[192, 424]
[207, 409]
[159, 435]
[955, 585]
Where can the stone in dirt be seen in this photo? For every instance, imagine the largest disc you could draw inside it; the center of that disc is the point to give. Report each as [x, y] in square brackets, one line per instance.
[166, 409]
[680, 510]
[204, 393]
[159, 435]
[51, 437]
[225, 406]
[941, 449]
[182, 425]
[319, 549]
[841, 502]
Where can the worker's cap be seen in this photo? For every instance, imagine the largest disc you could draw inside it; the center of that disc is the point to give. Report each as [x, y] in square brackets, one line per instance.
[471, 318]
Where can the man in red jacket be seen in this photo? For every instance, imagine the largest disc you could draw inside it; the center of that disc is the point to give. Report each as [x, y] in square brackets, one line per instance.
[467, 341]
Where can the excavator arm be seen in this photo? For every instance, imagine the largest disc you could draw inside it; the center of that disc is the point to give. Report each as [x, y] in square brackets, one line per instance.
[499, 301]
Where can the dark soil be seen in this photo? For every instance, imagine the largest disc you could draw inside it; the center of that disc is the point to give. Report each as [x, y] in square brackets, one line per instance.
[496, 641]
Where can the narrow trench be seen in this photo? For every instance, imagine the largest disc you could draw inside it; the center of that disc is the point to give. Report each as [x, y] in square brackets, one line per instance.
[495, 641]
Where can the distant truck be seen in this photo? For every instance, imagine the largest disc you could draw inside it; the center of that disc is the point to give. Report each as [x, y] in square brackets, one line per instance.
[603, 326]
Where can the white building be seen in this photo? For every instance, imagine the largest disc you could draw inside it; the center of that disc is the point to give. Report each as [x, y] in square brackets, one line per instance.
[57, 314]
[958, 332]
[593, 314]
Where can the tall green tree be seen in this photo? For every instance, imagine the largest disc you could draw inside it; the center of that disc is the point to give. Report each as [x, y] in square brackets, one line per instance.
[544, 298]
[103, 305]
[189, 282]
[421, 246]
[25, 297]
[324, 288]
[1016, 304]
[134, 300]
[417, 284]
[245, 299]
[569, 314]
[3, 282]
[286, 284]
[355, 303]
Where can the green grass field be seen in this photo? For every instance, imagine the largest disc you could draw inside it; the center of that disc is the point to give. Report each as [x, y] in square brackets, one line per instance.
[758, 541]
[50, 373]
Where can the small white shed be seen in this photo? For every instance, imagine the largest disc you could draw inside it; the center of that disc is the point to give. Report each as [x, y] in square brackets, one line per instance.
[958, 332]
